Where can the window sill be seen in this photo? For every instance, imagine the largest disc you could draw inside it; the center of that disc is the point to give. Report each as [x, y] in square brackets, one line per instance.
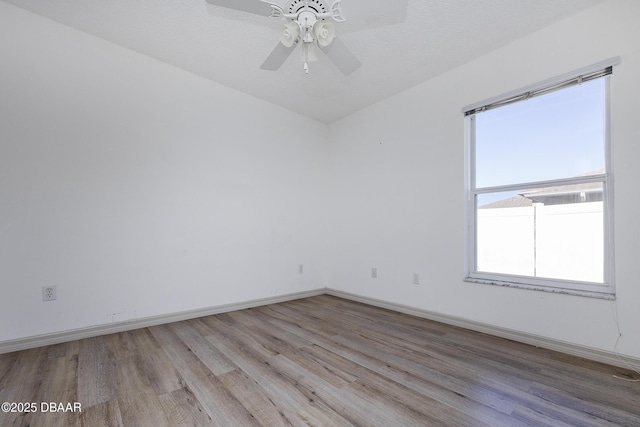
[556, 290]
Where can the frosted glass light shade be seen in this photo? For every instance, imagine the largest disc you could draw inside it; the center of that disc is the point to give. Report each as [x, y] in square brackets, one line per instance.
[309, 53]
[290, 34]
[325, 32]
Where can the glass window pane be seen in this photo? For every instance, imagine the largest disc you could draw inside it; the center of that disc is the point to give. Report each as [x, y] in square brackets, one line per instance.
[553, 232]
[505, 234]
[569, 242]
[553, 136]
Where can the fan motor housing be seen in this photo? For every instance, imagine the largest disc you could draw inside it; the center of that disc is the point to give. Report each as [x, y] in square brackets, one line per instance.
[307, 19]
[316, 5]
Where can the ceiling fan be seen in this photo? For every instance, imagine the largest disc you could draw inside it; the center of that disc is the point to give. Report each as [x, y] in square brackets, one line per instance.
[308, 22]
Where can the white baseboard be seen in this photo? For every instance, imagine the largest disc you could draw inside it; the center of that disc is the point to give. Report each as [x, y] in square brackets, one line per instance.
[608, 357]
[598, 355]
[111, 328]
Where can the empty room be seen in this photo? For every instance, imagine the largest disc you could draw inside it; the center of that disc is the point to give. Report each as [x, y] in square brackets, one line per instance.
[319, 212]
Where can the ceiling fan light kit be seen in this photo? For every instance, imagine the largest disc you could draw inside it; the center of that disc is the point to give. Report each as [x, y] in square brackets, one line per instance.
[290, 34]
[307, 23]
[325, 33]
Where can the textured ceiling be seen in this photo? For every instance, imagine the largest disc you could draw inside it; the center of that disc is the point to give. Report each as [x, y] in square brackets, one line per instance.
[400, 50]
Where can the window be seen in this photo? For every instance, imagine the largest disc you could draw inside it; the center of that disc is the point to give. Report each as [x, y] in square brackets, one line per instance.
[539, 187]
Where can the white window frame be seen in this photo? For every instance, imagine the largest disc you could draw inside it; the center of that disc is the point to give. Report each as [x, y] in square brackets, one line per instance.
[471, 274]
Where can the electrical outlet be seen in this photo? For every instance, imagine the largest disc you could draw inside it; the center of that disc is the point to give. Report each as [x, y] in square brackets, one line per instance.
[48, 293]
[374, 273]
[416, 278]
[300, 268]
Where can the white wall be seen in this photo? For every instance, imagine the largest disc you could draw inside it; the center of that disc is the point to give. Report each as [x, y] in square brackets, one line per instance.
[398, 170]
[139, 189]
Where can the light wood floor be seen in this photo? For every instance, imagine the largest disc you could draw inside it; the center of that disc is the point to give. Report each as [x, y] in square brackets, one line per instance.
[320, 361]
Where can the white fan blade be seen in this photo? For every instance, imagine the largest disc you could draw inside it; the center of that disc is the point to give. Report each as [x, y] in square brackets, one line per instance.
[251, 6]
[340, 54]
[277, 57]
[357, 11]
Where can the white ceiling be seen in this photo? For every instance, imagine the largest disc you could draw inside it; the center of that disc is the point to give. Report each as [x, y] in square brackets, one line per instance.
[398, 51]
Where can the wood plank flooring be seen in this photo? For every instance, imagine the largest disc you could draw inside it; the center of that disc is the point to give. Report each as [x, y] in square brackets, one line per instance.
[321, 361]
